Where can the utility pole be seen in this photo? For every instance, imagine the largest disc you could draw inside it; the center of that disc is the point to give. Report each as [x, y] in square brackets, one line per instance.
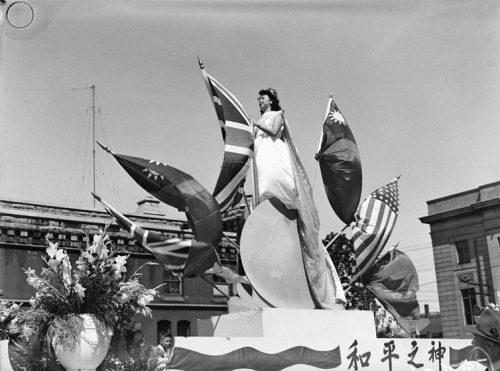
[93, 134]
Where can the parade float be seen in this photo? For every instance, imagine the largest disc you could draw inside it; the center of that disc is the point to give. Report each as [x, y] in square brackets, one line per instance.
[288, 311]
[288, 308]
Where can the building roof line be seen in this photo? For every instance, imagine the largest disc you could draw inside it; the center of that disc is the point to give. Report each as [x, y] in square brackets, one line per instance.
[461, 211]
[462, 193]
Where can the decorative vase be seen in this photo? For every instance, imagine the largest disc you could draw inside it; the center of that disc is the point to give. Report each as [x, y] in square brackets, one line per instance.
[4, 356]
[90, 351]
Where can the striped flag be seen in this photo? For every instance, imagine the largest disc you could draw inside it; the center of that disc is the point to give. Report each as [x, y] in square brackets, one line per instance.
[372, 226]
[187, 257]
[237, 134]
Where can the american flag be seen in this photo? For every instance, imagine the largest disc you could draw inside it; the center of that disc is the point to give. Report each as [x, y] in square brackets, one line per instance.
[237, 134]
[373, 225]
[187, 257]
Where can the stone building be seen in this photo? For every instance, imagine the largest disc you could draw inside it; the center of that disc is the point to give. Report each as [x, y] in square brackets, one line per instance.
[24, 227]
[465, 233]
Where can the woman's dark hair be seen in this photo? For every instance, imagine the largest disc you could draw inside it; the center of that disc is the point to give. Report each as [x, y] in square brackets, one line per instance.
[273, 97]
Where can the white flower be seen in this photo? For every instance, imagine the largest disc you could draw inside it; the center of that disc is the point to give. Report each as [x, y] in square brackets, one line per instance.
[120, 260]
[103, 253]
[119, 265]
[60, 255]
[30, 271]
[87, 255]
[80, 263]
[145, 299]
[79, 289]
[53, 263]
[51, 250]
[34, 281]
[96, 240]
[93, 248]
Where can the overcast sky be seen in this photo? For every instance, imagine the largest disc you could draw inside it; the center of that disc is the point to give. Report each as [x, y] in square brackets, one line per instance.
[417, 81]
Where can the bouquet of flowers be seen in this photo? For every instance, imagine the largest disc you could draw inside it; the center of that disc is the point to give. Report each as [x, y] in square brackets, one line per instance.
[96, 285]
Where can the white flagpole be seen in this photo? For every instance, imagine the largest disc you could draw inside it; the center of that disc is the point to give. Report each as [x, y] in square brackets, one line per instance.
[255, 186]
[321, 137]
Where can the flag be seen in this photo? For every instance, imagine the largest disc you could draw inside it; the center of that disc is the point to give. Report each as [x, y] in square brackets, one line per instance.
[340, 164]
[237, 134]
[394, 281]
[458, 356]
[189, 257]
[179, 190]
[372, 226]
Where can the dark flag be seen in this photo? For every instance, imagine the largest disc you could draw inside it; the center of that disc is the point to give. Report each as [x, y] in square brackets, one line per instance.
[237, 133]
[373, 225]
[340, 164]
[187, 257]
[179, 190]
[394, 281]
[458, 356]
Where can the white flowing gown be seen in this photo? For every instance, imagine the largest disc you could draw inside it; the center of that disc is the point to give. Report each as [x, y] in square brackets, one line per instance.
[272, 160]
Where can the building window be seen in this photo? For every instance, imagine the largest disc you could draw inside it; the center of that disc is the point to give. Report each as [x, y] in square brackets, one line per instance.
[183, 328]
[173, 284]
[163, 327]
[469, 300]
[463, 252]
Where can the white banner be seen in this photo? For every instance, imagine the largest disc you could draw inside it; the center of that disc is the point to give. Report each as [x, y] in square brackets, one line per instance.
[304, 354]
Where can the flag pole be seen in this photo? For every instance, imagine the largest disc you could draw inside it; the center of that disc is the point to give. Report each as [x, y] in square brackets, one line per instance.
[214, 286]
[334, 238]
[316, 157]
[93, 135]
[255, 198]
[231, 242]
[246, 202]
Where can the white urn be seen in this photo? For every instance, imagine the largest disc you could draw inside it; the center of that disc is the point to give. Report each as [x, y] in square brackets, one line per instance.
[91, 349]
[4, 356]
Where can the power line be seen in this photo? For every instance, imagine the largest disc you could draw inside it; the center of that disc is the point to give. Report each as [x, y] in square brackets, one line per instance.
[47, 89]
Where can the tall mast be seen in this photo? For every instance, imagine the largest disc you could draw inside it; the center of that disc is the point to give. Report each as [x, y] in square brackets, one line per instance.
[93, 134]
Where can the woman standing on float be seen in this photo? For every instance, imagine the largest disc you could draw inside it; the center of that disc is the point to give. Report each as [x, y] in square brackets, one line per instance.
[272, 160]
[281, 175]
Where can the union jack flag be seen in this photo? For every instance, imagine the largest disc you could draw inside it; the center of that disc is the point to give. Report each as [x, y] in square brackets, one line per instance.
[182, 257]
[373, 225]
[237, 134]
